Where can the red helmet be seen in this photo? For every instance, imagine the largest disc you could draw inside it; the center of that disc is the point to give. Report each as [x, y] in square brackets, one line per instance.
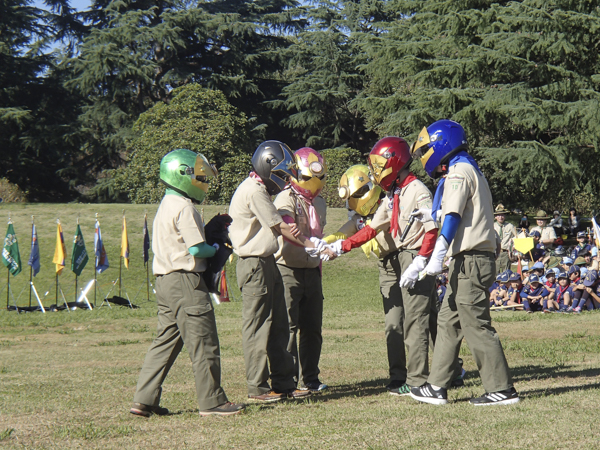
[387, 158]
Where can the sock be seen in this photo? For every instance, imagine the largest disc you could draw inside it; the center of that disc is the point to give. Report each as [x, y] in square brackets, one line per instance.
[437, 388]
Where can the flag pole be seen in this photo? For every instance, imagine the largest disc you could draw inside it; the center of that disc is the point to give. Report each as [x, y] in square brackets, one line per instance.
[95, 261]
[147, 262]
[76, 273]
[31, 267]
[8, 274]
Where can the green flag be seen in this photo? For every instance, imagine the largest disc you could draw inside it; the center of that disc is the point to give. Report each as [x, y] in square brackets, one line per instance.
[10, 253]
[79, 256]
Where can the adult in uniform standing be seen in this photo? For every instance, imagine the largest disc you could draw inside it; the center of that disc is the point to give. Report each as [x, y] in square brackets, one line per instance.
[506, 232]
[408, 303]
[463, 203]
[185, 311]
[301, 204]
[254, 231]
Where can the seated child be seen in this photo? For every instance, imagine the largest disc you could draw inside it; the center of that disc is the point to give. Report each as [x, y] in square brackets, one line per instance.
[538, 269]
[557, 223]
[562, 294]
[498, 295]
[581, 246]
[591, 294]
[577, 289]
[514, 291]
[548, 301]
[533, 294]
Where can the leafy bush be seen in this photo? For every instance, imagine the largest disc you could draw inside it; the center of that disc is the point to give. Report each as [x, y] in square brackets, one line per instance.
[199, 119]
[11, 193]
[338, 160]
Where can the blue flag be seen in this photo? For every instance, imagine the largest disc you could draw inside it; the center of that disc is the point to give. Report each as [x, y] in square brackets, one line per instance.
[34, 258]
[146, 242]
[101, 256]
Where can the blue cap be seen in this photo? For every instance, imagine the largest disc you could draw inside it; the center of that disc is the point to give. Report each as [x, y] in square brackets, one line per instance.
[581, 234]
[538, 265]
[584, 271]
[567, 260]
[594, 251]
[550, 273]
[534, 279]
[535, 233]
[574, 269]
[590, 278]
[563, 275]
[560, 251]
[525, 268]
[514, 276]
[504, 277]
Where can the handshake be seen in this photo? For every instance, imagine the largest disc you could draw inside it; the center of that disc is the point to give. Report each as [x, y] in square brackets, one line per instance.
[324, 250]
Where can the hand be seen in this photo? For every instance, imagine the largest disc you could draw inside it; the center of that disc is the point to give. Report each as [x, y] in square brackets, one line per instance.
[327, 255]
[312, 251]
[320, 244]
[422, 215]
[411, 274]
[336, 247]
[216, 246]
[589, 290]
[294, 230]
[436, 262]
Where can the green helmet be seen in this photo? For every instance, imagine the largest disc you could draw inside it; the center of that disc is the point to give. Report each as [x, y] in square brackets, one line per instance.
[187, 173]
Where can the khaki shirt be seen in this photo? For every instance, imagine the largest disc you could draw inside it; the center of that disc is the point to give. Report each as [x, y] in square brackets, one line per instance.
[384, 238]
[177, 227]
[413, 196]
[547, 233]
[466, 192]
[506, 233]
[253, 215]
[288, 203]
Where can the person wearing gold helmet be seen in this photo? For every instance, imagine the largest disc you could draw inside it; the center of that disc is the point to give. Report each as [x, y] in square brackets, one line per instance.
[408, 307]
[300, 203]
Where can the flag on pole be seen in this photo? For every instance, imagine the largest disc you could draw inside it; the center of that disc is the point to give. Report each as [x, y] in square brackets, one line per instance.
[34, 258]
[10, 252]
[125, 244]
[596, 229]
[60, 252]
[79, 257]
[100, 251]
[146, 242]
[223, 291]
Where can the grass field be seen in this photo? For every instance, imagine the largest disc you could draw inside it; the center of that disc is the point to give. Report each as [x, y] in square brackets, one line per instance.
[67, 379]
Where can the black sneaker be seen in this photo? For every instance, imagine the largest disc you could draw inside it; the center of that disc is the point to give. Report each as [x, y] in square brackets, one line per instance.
[507, 397]
[459, 380]
[428, 394]
[314, 386]
[401, 391]
[139, 409]
[394, 384]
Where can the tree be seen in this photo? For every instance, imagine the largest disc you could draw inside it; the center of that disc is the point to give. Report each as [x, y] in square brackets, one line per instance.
[197, 119]
[521, 77]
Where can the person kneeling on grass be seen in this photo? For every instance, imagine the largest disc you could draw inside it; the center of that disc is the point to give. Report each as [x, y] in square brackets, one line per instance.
[533, 295]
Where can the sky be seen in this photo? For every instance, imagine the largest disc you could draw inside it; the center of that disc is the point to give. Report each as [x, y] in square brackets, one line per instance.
[78, 4]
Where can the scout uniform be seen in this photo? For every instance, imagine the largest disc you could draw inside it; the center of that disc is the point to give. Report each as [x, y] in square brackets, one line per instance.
[303, 288]
[265, 329]
[185, 311]
[407, 311]
[506, 232]
[466, 309]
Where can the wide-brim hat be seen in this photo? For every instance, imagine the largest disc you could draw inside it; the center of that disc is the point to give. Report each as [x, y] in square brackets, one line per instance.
[500, 209]
[541, 215]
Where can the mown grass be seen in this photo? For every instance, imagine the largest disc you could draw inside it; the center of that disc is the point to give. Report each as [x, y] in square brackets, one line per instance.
[67, 379]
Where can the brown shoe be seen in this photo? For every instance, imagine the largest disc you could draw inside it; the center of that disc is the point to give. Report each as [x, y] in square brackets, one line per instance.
[139, 409]
[226, 409]
[297, 394]
[268, 397]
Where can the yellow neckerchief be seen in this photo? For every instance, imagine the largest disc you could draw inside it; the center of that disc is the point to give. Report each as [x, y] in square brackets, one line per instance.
[367, 247]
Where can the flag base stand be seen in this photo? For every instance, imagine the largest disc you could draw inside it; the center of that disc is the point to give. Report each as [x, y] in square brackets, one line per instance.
[117, 300]
[147, 283]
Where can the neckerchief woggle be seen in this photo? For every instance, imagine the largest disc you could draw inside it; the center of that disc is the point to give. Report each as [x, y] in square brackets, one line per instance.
[460, 157]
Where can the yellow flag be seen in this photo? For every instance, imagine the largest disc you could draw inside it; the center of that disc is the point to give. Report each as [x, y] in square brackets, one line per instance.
[60, 252]
[596, 232]
[523, 245]
[125, 244]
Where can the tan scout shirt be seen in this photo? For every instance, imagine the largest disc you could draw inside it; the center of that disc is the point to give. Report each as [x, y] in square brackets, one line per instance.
[253, 215]
[384, 238]
[177, 227]
[288, 203]
[413, 196]
[506, 233]
[547, 233]
[467, 193]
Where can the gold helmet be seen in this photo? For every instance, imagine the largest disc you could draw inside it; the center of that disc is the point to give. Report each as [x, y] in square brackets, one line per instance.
[359, 192]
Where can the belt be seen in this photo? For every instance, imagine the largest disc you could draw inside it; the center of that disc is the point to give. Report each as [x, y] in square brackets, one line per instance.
[389, 256]
[505, 251]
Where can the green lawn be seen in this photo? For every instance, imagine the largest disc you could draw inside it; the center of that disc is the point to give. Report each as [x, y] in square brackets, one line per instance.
[67, 379]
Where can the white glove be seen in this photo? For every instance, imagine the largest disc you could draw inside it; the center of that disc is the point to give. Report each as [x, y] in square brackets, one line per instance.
[411, 274]
[437, 257]
[336, 247]
[215, 245]
[320, 244]
[324, 256]
[422, 215]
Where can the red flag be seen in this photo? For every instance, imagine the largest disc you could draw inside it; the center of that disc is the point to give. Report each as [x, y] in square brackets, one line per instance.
[224, 293]
[519, 268]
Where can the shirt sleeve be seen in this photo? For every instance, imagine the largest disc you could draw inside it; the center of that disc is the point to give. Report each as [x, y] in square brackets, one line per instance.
[189, 224]
[381, 219]
[457, 191]
[264, 210]
[285, 205]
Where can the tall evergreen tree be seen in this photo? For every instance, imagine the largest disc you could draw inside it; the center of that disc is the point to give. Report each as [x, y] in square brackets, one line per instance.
[522, 77]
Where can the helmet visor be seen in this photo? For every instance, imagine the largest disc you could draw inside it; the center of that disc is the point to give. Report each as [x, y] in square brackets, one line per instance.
[201, 173]
[421, 149]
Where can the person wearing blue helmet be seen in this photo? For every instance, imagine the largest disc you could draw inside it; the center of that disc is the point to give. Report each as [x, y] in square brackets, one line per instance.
[254, 230]
[463, 204]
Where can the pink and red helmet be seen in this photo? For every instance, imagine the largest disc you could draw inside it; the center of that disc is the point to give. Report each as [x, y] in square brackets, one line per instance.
[312, 172]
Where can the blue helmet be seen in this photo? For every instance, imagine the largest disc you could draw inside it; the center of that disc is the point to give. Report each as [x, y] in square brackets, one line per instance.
[436, 143]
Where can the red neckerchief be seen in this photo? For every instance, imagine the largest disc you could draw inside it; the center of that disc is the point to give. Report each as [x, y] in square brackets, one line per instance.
[396, 205]
[561, 291]
[256, 177]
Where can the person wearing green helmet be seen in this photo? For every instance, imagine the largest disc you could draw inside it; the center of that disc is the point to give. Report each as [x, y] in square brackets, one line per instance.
[185, 311]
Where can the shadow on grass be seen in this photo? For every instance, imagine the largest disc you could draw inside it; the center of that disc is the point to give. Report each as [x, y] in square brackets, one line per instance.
[532, 372]
[360, 389]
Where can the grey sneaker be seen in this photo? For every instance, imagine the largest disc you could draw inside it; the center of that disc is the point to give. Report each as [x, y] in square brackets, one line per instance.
[401, 391]
[226, 409]
[139, 409]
